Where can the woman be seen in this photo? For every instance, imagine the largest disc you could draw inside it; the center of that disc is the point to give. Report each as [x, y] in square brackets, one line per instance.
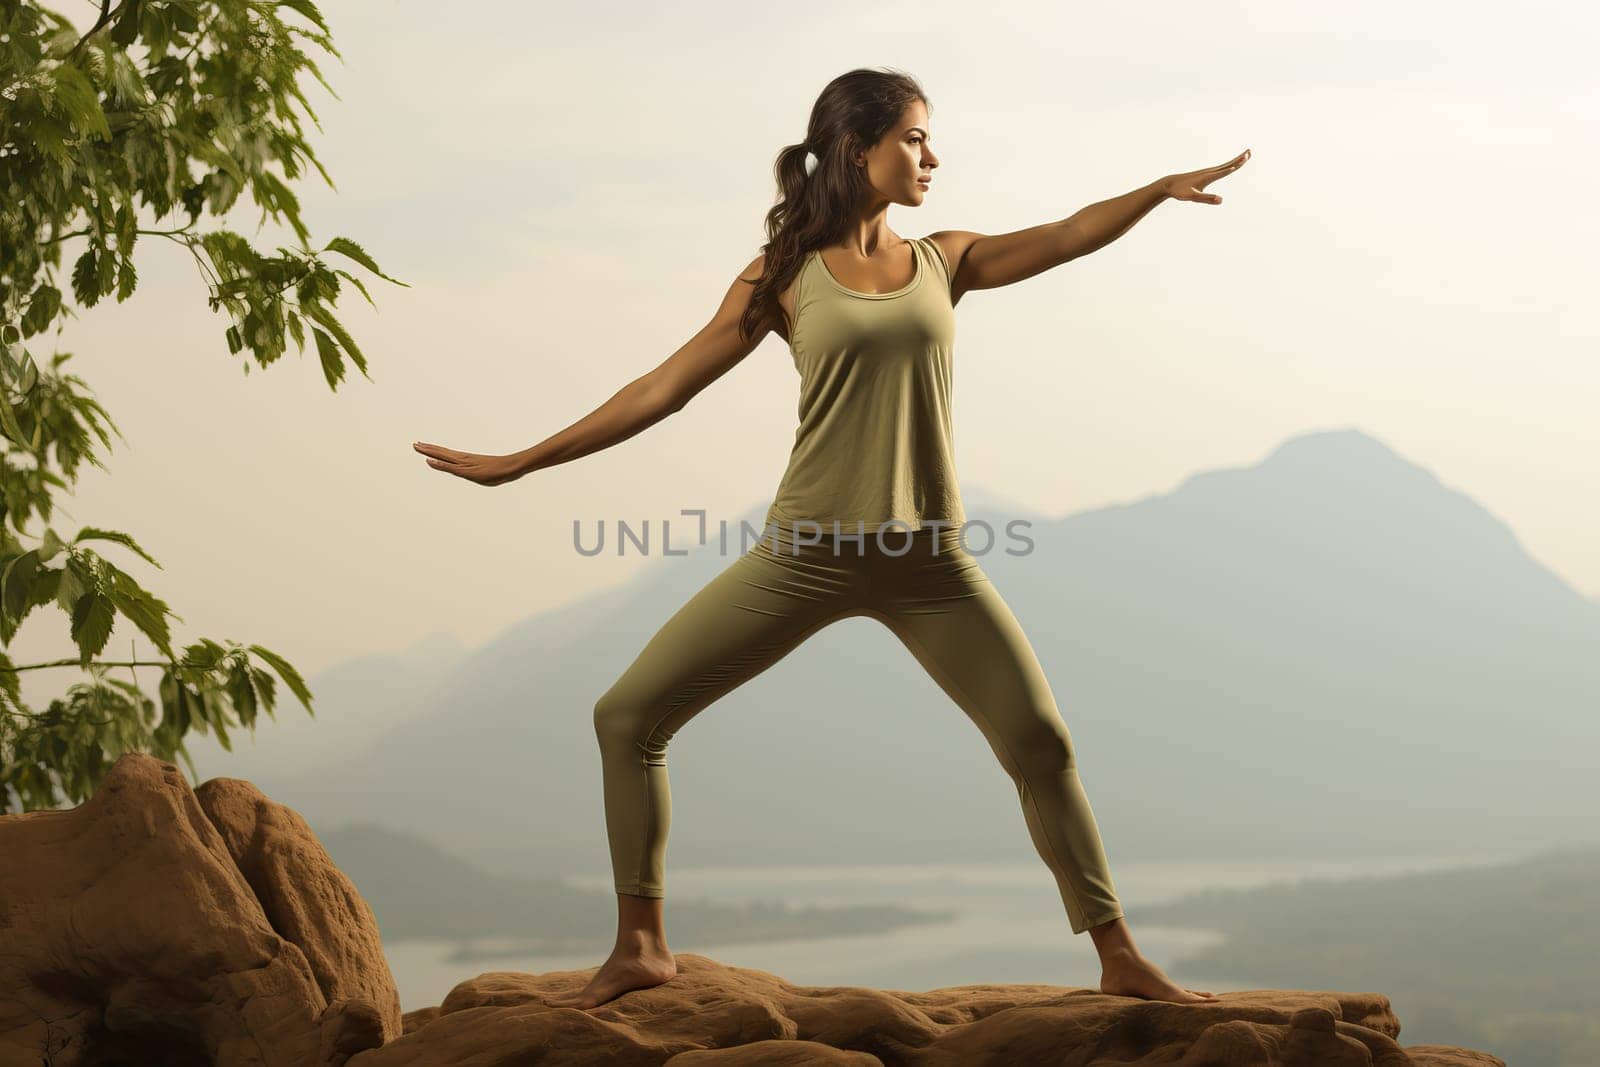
[869, 318]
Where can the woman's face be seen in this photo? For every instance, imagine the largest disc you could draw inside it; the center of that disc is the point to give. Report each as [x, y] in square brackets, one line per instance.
[895, 163]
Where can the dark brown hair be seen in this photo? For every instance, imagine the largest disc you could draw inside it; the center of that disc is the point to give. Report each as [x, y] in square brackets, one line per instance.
[852, 112]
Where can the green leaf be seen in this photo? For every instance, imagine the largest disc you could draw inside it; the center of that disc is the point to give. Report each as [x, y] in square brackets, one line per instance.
[204, 654]
[16, 582]
[106, 272]
[265, 686]
[9, 424]
[243, 695]
[127, 278]
[126, 228]
[129, 87]
[126, 28]
[182, 717]
[25, 383]
[49, 545]
[45, 587]
[332, 365]
[42, 308]
[73, 584]
[95, 533]
[85, 278]
[353, 280]
[346, 247]
[11, 685]
[308, 9]
[276, 198]
[290, 676]
[91, 624]
[145, 610]
[80, 100]
[183, 18]
[335, 327]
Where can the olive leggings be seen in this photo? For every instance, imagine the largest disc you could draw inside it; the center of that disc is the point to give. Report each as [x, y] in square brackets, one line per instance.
[937, 600]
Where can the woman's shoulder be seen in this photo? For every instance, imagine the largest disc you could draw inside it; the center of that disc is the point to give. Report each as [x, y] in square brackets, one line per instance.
[951, 246]
[754, 269]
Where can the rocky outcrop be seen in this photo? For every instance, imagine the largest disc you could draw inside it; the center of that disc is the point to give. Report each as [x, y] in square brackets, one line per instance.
[156, 924]
[304, 896]
[715, 1014]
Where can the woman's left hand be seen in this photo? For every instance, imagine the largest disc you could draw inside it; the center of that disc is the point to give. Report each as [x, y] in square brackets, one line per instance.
[1191, 186]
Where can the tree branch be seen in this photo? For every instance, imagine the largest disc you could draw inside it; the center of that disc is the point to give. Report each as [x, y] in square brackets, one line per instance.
[99, 24]
[75, 662]
[186, 228]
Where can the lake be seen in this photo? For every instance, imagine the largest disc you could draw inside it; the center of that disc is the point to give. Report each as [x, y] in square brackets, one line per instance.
[1011, 926]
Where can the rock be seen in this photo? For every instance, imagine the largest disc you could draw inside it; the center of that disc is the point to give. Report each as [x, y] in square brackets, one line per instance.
[129, 933]
[306, 898]
[155, 924]
[715, 1014]
[775, 1054]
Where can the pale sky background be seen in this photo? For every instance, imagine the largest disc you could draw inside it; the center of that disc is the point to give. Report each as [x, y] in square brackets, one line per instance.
[569, 194]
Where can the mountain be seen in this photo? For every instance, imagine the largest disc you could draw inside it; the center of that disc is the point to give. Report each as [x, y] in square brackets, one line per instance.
[1328, 652]
[1437, 942]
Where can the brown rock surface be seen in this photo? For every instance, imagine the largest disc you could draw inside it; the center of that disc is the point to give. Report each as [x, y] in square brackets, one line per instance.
[155, 924]
[129, 934]
[718, 1015]
[306, 898]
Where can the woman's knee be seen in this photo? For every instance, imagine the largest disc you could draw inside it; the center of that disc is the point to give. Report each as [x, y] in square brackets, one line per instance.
[619, 722]
[1043, 747]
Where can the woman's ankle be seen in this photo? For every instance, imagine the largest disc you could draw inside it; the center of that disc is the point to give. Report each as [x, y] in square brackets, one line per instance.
[641, 925]
[639, 941]
[1113, 940]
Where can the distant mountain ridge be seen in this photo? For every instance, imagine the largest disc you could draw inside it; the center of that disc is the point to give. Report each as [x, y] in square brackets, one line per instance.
[1438, 943]
[1326, 652]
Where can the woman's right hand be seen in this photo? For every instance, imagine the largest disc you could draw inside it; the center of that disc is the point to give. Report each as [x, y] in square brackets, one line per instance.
[473, 466]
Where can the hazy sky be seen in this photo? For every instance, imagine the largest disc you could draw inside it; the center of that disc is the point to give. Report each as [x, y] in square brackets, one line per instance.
[569, 194]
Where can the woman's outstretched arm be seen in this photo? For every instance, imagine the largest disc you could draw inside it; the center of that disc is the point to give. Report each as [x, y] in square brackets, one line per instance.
[982, 261]
[641, 403]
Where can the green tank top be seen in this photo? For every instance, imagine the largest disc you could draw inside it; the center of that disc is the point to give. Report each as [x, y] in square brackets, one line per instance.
[875, 442]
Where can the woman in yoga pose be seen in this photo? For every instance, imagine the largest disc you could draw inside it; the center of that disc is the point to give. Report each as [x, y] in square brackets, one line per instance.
[869, 319]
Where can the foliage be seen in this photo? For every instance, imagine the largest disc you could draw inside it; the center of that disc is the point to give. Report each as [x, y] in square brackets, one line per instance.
[162, 113]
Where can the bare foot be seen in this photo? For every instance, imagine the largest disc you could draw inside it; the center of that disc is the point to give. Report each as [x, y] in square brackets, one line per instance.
[634, 968]
[1125, 973]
